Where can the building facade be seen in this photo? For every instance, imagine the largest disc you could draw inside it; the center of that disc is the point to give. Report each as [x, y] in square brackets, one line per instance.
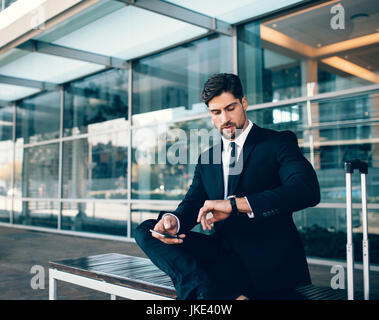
[101, 121]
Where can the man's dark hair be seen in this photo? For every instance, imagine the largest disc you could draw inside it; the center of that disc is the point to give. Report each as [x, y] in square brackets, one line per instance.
[219, 83]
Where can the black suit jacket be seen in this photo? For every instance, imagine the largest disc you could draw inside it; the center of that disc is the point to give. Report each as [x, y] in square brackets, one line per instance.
[277, 180]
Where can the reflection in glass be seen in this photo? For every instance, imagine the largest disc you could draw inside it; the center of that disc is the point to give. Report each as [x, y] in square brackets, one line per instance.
[167, 86]
[323, 232]
[38, 117]
[18, 167]
[5, 207]
[90, 105]
[147, 210]
[97, 217]
[40, 171]
[346, 110]
[6, 170]
[278, 58]
[289, 117]
[331, 175]
[9, 92]
[164, 157]
[6, 167]
[6, 156]
[6, 123]
[40, 213]
[96, 167]
[267, 75]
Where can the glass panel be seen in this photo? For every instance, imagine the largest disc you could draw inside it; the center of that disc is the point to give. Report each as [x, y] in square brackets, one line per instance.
[40, 171]
[93, 104]
[329, 161]
[164, 157]
[168, 85]
[345, 111]
[6, 152]
[37, 213]
[19, 156]
[233, 11]
[145, 211]
[333, 45]
[267, 74]
[344, 129]
[10, 92]
[6, 124]
[96, 217]
[37, 118]
[129, 32]
[6, 168]
[96, 167]
[323, 232]
[290, 117]
[38, 66]
[5, 206]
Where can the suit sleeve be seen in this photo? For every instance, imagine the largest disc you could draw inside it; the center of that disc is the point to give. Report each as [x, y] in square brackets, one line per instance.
[299, 187]
[188, 209]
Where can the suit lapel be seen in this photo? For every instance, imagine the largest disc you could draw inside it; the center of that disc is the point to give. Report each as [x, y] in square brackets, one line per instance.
[254, 136]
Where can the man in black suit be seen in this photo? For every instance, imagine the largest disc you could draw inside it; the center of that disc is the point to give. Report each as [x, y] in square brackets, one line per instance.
[247, 188]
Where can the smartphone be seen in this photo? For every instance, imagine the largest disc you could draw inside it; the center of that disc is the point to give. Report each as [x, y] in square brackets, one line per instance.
[165, 235]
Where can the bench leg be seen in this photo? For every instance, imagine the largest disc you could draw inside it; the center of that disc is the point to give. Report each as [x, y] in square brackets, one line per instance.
[52, 286]
[113, 297]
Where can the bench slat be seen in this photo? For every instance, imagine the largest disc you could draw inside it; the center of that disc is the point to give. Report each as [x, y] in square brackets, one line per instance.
[141, 274]
[133, 272]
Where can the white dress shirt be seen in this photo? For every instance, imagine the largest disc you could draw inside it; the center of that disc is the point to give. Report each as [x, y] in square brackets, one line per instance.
[239, 141]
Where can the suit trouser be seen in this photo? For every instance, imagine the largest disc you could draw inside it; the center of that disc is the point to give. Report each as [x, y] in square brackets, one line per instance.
[202, 267]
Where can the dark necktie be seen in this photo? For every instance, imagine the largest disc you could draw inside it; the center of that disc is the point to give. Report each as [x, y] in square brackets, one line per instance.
[232, 163]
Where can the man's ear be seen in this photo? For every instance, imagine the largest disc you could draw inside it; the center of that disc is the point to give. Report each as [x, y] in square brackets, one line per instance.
[244, 103]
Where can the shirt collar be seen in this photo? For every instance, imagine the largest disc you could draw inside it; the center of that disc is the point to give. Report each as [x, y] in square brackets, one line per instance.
[240, 140]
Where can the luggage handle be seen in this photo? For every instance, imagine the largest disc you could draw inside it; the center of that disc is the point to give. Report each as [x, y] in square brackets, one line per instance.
[352, 165]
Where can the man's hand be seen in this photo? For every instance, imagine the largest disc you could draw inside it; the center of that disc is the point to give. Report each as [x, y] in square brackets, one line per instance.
[167, 224]
[220, 210]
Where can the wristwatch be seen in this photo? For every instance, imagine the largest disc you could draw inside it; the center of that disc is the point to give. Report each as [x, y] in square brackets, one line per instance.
[233, 203]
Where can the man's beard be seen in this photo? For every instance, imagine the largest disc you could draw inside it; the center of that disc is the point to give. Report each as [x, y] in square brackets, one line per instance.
[233, 135]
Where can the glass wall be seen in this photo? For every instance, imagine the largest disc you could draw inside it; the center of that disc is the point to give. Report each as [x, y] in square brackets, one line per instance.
[38, 118]
[103, 217]
[95, 157]
[6, 161]
[71, 144]
[304, 73]
[167, 86]
[310, 51]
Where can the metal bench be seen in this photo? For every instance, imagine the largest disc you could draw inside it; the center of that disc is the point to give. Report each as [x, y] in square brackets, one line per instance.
[138, 278]
[116, 274]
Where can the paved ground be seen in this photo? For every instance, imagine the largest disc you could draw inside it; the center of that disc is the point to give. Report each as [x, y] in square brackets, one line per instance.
[20, 250]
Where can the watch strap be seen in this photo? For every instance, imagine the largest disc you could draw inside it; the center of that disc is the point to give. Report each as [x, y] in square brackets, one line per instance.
[233, 203]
